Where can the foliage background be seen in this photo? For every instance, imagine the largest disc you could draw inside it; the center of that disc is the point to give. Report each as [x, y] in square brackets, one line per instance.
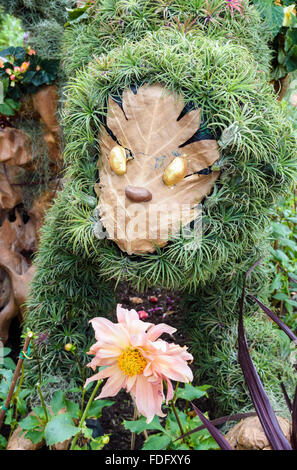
[220, 62]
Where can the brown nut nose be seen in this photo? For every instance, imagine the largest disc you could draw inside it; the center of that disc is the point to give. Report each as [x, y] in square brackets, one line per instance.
[138, 194]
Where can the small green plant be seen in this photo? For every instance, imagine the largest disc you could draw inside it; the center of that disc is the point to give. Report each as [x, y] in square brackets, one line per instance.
[22, 71]
[280, 16]
[176, 423]
[18, 408]
[62, 420]
[283, 261]
[11, 32]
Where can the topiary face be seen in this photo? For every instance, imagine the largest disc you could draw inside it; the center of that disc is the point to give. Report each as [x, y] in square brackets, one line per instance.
[152, 173]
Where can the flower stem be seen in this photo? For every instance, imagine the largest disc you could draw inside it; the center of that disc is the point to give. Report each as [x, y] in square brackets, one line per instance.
[42, 402]
[177, 418]
[15, 378]
[133, 435]
[85, 413]
[37, 359]
[79, 366]
[172, 403]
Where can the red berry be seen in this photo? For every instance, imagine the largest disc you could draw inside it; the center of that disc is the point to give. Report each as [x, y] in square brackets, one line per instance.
[142, 314]
[153, 299]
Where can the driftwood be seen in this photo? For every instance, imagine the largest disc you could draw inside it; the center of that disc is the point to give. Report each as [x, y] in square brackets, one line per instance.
[18, 440]
[248, 434]
[19, 229]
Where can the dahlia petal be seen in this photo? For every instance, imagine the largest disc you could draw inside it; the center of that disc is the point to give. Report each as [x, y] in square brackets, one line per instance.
[111, 350]
[126, 316]
[92, 379]
[130, 383]
[157, 330]
[98, 361]
[108, 332]
[107, 372]
[129, 321]
[179, 372]
[113, 384]
[148, 398]
[170, 392]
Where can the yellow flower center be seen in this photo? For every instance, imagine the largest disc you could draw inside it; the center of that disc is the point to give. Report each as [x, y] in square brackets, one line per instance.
[132, 362]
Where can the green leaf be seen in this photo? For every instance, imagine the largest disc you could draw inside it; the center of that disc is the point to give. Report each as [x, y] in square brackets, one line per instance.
[87, 432]
[97, 444]
[6, 109]
[59, 429]
[181, 447]
[30, 422]
[22, 406]
[281, 256]
[3, 442]
[72, 408]
[277, 282]
[58, 401]
[272, 14]
[189, 392]
[207, 444]
[39, 411]
[289, 243]
[140, 425]
[281, 229]
[281, 296]
[5, 382]
[9, 363]
[156, 442]
[9, 417]
[95, 410]
[291, 302]
[35, 436]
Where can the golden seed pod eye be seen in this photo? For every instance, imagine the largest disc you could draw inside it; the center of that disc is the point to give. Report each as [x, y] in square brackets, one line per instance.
[176, 171]
[118, 160]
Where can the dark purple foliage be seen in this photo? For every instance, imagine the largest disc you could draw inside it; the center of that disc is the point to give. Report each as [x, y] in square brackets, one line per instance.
[216, 434]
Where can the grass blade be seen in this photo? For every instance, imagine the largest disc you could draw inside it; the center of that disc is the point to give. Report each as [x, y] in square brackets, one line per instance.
[276, 319]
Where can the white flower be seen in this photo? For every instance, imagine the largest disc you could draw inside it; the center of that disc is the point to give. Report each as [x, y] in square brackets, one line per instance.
[288, 11]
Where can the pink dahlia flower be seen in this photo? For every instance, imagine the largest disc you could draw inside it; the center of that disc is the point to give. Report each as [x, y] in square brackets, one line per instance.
[137, 360]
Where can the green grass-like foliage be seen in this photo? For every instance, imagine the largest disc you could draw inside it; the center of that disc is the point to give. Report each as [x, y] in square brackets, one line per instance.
[219, 62]
[44, 19]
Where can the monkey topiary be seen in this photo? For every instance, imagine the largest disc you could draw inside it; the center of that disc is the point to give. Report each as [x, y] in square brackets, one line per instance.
[203, 60]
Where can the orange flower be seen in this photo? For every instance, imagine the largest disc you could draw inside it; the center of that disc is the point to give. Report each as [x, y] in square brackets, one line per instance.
[32, 52]
[1, 64]
[24, 67]
[138, 360]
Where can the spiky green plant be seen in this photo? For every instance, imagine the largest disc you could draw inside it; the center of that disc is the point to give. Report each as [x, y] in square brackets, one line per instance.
[219, 62]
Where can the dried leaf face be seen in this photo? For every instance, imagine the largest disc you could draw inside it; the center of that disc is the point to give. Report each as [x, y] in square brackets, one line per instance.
[151, 130]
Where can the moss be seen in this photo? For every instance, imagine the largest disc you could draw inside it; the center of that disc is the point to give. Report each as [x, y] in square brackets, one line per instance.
[44, 19]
